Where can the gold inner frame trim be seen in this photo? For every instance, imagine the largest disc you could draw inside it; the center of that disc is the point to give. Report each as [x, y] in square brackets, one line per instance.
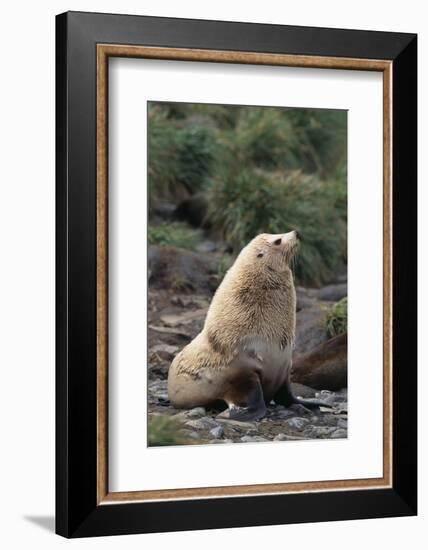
[104, 51]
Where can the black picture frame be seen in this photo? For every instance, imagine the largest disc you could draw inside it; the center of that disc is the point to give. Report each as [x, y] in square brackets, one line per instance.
[77, 512]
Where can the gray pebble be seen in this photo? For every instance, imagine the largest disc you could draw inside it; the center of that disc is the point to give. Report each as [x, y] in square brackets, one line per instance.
[198, 411]
[285, 413]
[297, 423]
[339, 434]
[342, 423]
[320, 431]
[252, 438]
[217, 432]
[339, 398]
[204, 423]
[280, 437]
[302, 410]
[236, 423]
[329, 419]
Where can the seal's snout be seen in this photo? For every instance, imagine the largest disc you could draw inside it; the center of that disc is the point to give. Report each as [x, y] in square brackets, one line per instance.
[298, 235]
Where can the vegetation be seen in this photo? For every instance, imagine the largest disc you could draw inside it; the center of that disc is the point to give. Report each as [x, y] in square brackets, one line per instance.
[164, 430]
[224, 265]
[262, 202]
[180, 155]
[176, 234]
[263, 169]
[337, 319]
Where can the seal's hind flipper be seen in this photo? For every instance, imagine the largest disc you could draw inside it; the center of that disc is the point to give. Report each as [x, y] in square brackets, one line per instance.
[286, 397]
[250, 405]
[312, 403]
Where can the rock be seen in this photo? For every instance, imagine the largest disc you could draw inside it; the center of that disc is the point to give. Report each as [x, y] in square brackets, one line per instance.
[164, 330]
[301, 410]
[339, 434]
[329, 419]
[197, 411]
[252, 438]
[204, 423]
[185, 301]
[338, 398]
[236, 423]
[342, 423]
[175, 320]
[217, 432]
[221, 441]
[304, 298]
[179, 269]
[310, 329]
[205, 247]
[319, 431]
[193, 210]
[323, 367]
[163, 402]
[284, 413]
[289, 437]
[159, 391]
[158, 369]
[297, 423]
[164, 351]
[342, 277]
[333, 293]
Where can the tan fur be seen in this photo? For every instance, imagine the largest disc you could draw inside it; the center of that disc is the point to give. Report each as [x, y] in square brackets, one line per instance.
[253, 313]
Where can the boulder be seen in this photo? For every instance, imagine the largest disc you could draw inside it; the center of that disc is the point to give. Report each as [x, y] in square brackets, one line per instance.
[181, 270]
[333, 293]
[310, 327]
[306, 297]
[324, 367]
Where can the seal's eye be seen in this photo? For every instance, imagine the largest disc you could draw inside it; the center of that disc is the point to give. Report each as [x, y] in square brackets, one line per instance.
[260, 255]
[277, 242]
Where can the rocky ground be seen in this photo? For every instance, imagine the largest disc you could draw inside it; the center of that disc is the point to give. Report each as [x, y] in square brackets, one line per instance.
[181, 287]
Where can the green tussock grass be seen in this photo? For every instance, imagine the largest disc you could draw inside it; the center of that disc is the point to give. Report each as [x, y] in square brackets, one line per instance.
[337, 319]
[223, 266]
[263, 169]
[163, 431]
[180, 156]
[249, 203]
[176, 234]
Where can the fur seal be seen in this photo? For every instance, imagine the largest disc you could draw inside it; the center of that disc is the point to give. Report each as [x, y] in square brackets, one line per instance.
[243, 354]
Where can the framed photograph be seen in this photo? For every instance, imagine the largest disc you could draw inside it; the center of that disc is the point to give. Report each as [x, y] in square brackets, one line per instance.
[236, 274]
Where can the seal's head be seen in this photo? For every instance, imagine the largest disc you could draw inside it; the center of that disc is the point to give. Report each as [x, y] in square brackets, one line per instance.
[273, 251]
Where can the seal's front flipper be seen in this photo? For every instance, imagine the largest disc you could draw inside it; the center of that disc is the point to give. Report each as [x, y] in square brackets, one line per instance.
[246, 401]
[286, 397]
[243, 414]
